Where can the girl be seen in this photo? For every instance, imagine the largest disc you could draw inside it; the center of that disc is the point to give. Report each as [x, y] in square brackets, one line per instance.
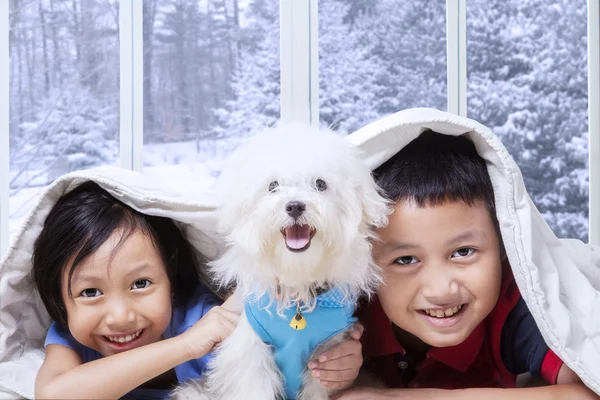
[131, 317]
[122, 284]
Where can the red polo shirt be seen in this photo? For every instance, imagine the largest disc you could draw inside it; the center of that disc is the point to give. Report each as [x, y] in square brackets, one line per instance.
[479, 361]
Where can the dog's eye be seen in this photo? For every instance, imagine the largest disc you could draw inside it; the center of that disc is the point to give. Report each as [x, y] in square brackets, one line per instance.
[321, 185]
[273, 185]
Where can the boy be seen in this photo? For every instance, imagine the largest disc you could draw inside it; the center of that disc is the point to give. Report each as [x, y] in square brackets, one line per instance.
[449, 315]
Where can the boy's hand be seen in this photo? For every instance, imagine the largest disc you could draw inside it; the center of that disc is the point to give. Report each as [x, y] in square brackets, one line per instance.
[212, 329]
[338, 367]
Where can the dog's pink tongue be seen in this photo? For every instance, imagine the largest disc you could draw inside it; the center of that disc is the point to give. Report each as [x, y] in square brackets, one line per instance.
[297, 236]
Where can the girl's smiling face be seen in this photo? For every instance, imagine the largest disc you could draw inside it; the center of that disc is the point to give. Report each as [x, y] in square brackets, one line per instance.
[121, 295]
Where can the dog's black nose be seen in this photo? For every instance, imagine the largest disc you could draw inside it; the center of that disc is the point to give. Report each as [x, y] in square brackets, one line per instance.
[295, 208]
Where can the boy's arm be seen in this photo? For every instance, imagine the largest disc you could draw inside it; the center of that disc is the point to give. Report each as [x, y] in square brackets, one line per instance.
[523, 348]
[338, 367]
[567, 391]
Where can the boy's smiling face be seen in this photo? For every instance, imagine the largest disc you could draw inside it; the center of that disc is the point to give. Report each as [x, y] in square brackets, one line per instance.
[442, 269]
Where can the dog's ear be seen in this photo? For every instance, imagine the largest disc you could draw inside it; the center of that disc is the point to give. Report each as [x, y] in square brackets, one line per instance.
[375, 207]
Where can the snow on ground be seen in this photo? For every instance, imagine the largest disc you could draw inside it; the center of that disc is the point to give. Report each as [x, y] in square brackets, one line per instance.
[178, 165]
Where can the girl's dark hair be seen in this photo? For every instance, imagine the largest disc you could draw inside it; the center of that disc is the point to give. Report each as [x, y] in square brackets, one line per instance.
[81, 221]
[435, 168]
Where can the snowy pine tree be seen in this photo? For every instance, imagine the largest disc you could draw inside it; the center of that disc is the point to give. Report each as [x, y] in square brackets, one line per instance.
[256, 85]
[526, 82]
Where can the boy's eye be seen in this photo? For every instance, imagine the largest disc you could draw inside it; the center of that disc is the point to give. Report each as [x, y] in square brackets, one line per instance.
[464, 252]
[90, 292]
[406, 260]
[140, 284]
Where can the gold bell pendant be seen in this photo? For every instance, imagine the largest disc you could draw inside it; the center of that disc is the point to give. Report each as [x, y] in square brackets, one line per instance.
[298, 322]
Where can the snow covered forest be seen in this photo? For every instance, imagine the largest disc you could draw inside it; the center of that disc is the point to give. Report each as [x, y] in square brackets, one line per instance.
[211, 75]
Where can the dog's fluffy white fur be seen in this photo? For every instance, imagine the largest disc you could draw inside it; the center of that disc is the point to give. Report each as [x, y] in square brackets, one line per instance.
[257, 183]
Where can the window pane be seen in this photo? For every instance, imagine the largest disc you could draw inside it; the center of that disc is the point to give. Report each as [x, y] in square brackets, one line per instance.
[64, 93]
[211, 76]
[527, 81]
[379, 57]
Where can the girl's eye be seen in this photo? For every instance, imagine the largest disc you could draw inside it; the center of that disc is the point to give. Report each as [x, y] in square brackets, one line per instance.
[464, 252]
[406, 260]
[90, 292]
[140, 284]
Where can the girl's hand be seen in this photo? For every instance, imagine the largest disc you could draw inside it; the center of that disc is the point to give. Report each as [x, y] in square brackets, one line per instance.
[338, 367]
[212, 329]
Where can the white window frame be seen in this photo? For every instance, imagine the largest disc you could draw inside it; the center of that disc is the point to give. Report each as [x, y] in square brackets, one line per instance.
[4, 129]
[131, 81]
[594, 120]
[299, 56]
[299, 61]
[456, 56]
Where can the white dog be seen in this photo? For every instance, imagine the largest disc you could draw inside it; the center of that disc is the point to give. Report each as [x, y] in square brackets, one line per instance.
[297, 208]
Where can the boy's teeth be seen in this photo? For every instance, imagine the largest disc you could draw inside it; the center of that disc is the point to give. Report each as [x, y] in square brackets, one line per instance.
[441, 314]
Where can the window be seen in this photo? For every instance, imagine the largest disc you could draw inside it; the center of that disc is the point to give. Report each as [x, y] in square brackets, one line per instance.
[527, 81]
[211, 76]
[64, 93]
[379, 57]
[212, 72]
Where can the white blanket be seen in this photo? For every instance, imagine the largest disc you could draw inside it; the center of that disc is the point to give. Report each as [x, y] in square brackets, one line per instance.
[559, 279]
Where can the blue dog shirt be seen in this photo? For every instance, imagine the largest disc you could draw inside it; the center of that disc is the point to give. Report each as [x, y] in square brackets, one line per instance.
[292, 348]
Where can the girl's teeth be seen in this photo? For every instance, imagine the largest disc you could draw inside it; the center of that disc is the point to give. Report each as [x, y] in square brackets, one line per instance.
[124, 339]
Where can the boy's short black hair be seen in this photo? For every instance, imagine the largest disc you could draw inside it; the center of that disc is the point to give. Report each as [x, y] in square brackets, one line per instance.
[81, 221]
[435, 168]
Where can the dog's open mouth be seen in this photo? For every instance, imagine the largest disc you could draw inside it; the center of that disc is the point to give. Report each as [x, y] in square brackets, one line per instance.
[297, 237]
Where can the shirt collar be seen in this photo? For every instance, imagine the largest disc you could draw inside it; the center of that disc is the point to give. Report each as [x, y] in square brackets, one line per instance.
[379, 340]
[461, 356]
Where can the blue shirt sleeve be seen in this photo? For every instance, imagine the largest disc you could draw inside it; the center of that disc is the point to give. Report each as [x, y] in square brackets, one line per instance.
[185, 317]
[59, 335]
[522, 346]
